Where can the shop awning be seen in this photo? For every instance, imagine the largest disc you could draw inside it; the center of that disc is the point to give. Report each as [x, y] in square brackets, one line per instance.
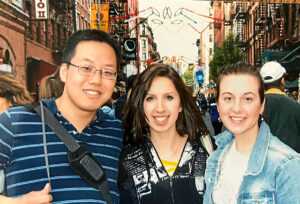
[272, 55]
[209, 91]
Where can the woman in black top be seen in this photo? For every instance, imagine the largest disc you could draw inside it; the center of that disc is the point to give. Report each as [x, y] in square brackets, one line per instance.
[164, 160]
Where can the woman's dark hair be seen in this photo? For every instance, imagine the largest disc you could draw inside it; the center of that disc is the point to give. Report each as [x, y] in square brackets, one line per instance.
[13, 90]
[238, 69]
[136, 129]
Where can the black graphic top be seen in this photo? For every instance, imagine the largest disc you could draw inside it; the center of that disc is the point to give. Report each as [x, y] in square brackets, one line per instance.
[143, 178]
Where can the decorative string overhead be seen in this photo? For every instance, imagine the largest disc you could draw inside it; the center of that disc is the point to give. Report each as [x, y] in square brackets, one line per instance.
[167, 15]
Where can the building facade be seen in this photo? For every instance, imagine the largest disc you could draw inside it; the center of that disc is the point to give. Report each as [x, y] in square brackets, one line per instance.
[267, 32]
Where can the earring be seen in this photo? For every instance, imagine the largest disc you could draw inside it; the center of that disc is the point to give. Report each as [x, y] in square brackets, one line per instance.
[261, 116]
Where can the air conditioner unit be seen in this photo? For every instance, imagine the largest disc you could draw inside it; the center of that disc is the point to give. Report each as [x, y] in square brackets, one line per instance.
[52, 14]
[65, 23]
[59, 19]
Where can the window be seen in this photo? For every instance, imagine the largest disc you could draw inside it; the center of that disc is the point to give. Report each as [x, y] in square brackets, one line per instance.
[30, 24]
[88, 4]
[143, 43]
[52, 35]
[77, 21]
[38, 30]
[210, 51]
[210, 38]
[64, 34]
[210, 12]
[82, 23]
[143, 30]
[46, 33]
[58, 35]
[144, 57]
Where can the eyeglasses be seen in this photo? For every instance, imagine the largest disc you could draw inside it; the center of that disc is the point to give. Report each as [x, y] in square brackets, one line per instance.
[89, 70]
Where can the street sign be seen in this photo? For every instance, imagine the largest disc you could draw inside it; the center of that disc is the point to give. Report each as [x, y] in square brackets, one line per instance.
[129, 49]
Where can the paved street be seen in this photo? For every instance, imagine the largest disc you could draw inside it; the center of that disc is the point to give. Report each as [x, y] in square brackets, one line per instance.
[208, 124]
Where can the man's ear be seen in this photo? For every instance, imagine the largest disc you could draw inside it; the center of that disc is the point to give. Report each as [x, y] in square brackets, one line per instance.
[63, 72]
[282, 84]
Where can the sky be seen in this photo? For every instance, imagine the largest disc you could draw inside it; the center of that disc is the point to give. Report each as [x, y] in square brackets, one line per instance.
[175, 33]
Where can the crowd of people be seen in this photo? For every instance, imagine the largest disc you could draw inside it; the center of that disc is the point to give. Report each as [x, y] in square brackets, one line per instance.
[152, 145]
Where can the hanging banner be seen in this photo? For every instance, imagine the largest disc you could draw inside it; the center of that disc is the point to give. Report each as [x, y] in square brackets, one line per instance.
[41, 9]
[129, 52]
[104, 17]
[199, 76]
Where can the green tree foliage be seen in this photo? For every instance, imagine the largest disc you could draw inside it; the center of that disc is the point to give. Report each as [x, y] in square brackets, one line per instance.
[188, 78]
[228, 53]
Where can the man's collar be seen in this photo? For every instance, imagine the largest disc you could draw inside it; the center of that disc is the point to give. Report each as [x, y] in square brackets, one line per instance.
[274, 91]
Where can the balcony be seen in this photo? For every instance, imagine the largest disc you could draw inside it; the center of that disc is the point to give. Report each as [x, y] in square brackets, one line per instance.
[241, 15]
[276, 34]
[228, 23]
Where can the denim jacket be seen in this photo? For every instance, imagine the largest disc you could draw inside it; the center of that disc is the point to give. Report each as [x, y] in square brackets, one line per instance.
[272, 175]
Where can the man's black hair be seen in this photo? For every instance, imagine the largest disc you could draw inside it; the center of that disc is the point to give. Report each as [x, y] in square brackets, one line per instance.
[274, 84]
[90, 35]
[130, 81]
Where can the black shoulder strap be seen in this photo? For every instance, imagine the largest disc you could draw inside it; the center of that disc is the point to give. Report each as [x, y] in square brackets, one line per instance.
[60, 131]
[74, 147]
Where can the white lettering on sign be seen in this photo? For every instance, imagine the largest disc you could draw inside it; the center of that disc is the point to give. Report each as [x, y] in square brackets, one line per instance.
[41, 9]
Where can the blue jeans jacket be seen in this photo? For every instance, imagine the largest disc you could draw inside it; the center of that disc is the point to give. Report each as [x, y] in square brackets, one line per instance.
[272, 175]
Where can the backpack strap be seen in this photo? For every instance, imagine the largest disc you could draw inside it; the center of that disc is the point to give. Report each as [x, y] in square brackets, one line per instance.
[207, 143]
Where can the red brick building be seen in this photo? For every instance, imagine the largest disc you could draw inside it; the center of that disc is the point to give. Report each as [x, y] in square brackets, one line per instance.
[34, 46]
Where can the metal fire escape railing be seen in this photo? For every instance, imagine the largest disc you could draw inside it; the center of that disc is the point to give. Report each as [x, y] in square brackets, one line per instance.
[259, 33]
[275, 26]
[240, 17]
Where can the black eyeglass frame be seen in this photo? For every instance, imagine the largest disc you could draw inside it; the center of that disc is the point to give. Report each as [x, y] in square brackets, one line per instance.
[93, 71]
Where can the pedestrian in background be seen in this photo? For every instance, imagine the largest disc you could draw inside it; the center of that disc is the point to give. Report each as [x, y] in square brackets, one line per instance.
[214, 115]
[91, 60]
[51, 86]
[119, 105]
[108, 108]
[250, 165]
[281, 112]
[12, 92]
[164, 161]
[294, 95]
[202, 103]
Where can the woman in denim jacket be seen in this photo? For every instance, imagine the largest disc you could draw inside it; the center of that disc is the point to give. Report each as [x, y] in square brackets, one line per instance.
[250, 164]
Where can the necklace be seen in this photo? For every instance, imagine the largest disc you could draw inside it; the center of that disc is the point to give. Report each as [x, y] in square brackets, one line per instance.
[170, 154]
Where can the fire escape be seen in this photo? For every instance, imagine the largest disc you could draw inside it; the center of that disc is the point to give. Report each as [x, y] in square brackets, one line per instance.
[259, 32]
[275, 25]
[240, 17]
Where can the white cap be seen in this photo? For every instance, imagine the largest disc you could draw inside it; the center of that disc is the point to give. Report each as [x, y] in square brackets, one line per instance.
[271, 71]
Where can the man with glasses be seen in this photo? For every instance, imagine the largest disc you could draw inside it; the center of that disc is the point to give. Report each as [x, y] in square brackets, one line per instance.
[89, 70]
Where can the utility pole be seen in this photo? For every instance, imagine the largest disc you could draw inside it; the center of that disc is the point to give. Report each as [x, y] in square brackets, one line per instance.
[99, 15]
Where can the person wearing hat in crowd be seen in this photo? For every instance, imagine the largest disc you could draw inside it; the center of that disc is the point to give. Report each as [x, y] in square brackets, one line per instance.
[294, 95]
[281, 112]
